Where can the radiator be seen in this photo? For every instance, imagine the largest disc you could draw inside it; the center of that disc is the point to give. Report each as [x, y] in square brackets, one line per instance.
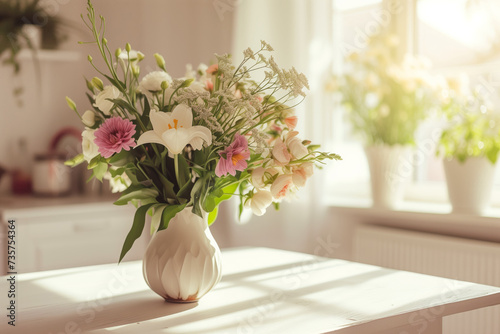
[431, 254]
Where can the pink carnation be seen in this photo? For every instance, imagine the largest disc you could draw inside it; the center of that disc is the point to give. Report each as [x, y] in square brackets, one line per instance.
[234, 157]
[212, 69]
[114, 135]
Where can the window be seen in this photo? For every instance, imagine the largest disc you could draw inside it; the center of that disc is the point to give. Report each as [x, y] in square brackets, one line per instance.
[457, 36]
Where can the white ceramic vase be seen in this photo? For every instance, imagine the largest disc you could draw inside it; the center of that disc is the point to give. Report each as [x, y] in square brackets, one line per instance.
[469, 184]
[183, 262]
[390, 169]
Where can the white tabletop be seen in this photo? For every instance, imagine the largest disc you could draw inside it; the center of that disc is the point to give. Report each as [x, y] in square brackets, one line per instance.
[262, 291]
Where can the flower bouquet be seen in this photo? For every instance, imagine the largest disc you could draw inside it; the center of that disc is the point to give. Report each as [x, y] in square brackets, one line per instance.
[469, 144]
[386, 100]
[179, 147]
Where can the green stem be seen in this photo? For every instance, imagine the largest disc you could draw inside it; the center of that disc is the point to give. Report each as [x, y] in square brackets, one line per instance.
[176, 166]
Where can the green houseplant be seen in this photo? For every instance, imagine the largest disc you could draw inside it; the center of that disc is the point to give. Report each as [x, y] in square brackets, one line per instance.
[14, 17]
[386, 99]
[469, 145]
[27, 25]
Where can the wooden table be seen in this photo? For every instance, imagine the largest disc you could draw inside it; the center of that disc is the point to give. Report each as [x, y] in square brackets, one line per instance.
[262, 291]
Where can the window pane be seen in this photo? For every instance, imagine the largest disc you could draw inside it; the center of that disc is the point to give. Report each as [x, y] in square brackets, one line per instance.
[462, 36]
[355, 23]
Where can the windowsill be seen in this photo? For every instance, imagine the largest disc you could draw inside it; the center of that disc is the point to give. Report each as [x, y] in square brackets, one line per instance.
[421, 216]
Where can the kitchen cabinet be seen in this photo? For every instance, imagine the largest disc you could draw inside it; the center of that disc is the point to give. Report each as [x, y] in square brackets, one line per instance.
[63, 233]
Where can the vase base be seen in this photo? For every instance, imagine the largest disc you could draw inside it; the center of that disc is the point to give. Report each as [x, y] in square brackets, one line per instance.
[181, 301]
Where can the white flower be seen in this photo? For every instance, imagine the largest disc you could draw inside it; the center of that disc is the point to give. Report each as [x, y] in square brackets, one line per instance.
[260, 176]
[297, 149]
[202, 70]
[151, 83]
[133, 55]
[102, 102]
[198, 87]
[256, 179]
[131, 59]
[118, 183]
[259, 202]
[88, 118]
[281, 186]
[175, 130]
[89, 148]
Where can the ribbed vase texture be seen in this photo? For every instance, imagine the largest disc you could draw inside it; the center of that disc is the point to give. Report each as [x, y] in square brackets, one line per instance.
[183, 262]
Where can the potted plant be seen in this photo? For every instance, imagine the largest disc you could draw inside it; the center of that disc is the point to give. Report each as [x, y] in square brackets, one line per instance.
[20, 23]
[386, 100]
[469, 146]
[26, 25]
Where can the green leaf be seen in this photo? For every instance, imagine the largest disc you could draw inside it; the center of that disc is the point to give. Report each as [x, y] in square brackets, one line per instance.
[116, 172]
[196, 195]
[144, 193]
[132, 175]
[184, 174]
[94, 162]
[75, 161]
[121, 158]
[227, 193]
[146, 201]
[156, 219]
[124, 104]
[136, 230]
[168, 186]
[185, 191]
[118, 84]
[212, 216]
[145, 113]
[222, 195]
[169, 212]
[209, 204]
[100, 170]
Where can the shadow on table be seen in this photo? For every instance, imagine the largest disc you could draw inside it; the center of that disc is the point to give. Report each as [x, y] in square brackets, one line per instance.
[120, 310]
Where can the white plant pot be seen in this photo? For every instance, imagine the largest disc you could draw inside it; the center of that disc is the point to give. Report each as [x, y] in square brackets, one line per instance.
[34, 34]
[183, 262]
[469, 184]
[390, 170]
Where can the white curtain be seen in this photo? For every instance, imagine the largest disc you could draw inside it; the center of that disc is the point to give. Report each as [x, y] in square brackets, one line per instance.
[300, 31]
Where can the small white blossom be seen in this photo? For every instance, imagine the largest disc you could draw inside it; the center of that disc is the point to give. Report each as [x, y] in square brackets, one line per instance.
[88, 118]
[151, 83]
[102, 100]
[89, 148]
[259, 202]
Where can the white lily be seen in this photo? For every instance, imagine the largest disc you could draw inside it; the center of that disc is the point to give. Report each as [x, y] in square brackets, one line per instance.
[175, 130]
